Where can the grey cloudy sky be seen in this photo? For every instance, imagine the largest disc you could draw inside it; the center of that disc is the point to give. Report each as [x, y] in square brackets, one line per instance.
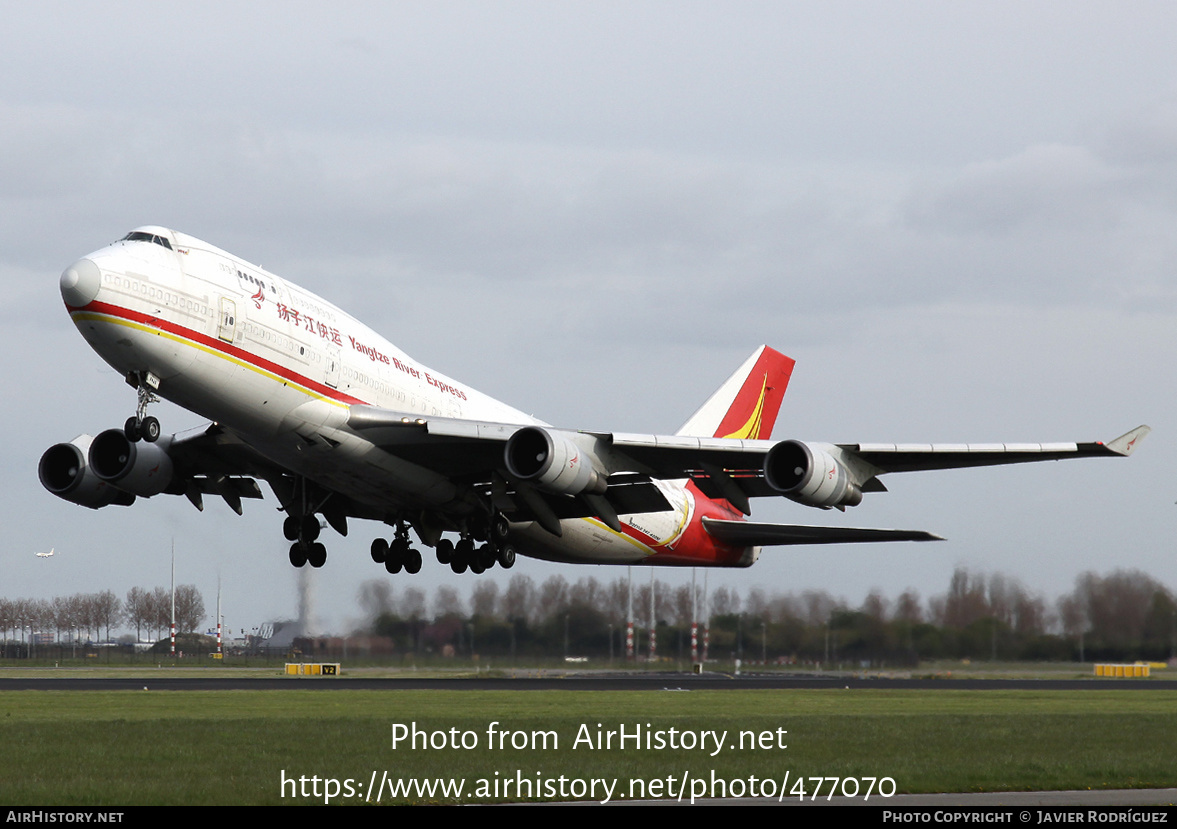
[958, 218]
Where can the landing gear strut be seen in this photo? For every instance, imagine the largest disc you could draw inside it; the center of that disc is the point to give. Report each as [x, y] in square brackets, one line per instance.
[303, 529]
[142, 427]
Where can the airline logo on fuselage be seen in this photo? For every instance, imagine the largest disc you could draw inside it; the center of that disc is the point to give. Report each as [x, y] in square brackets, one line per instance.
[332, 335]
[379, 357]
[309, 323]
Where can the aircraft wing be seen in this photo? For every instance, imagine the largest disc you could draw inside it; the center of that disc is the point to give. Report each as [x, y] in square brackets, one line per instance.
[466, 450]
[911, 458]
[471, 452]
[738, 469]
[734, 469]
[753, 534]
[668, 455]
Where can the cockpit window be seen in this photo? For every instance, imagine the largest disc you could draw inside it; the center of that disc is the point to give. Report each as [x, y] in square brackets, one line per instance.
[140, 236]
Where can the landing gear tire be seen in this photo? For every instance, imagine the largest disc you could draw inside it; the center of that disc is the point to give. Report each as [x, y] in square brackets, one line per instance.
[413, 562]
[131, 430]
[478, 560]
[317, 556]
[298, 554]
[309, 528]
[464, 557]
[393, 563]
[149, 429]
[506, 556]
[290, 528]
[486, 556]
[500, 528]
[445, 551]
[379, 551]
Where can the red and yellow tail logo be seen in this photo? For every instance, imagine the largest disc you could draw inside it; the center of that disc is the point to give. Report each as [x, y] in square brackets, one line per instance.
[753, 413]
[746, 405]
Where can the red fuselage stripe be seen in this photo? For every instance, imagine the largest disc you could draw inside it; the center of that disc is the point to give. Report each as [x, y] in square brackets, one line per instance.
[218, 345]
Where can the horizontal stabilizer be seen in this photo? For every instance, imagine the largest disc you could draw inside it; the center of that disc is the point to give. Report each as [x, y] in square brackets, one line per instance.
[751, 534]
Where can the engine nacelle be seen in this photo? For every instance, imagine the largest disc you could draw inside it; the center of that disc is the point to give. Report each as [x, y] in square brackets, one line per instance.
[810, 476]
[64, 472]
[552, 462]
[139, 468]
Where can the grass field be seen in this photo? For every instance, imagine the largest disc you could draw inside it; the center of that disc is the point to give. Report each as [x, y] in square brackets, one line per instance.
[233, 747]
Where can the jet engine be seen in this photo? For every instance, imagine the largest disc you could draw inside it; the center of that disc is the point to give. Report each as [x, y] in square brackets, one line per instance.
[139, 468]
[552, 462]
[810, 475]
[63, 470]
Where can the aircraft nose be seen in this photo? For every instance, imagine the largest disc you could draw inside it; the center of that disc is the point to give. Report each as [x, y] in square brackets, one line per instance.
[80, 283]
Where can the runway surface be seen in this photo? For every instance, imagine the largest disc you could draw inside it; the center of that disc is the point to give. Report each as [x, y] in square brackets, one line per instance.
[546, 681]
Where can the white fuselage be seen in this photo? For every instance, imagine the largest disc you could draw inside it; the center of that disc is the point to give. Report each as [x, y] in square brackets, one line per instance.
[280, 367]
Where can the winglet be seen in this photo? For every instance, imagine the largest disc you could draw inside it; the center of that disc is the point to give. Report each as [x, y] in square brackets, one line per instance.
[1125, 443]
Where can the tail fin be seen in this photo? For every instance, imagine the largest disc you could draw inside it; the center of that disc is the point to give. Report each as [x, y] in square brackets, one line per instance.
[746, 405]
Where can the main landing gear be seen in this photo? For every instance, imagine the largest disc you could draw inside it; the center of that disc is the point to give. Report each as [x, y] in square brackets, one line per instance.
[396, 555]
[465, 556]
[306, 549]
[302, 503]
[142, 427]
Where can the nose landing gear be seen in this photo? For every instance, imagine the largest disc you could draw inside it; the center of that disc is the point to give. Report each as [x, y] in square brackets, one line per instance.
[142, 427]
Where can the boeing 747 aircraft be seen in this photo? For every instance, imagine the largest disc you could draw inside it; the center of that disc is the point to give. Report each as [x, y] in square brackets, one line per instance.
[340, 423]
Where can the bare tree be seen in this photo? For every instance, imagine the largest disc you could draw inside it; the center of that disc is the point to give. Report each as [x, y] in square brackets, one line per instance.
[681, 602]
[1116, 606]
[875, 605]
[189, 608]
[819, 605]
[137, 610]
[1073, 615]
[375, 597]
[160, 604]
[966, 600]
[411, 604]
[108, 610]
[447, 602]
[484, 599]
[553, 597]
[725, 602]
[907, 607]
[587, 591]
[519, 600]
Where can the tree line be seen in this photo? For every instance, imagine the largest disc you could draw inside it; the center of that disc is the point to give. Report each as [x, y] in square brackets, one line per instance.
[93, 615]
[1124, 615]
